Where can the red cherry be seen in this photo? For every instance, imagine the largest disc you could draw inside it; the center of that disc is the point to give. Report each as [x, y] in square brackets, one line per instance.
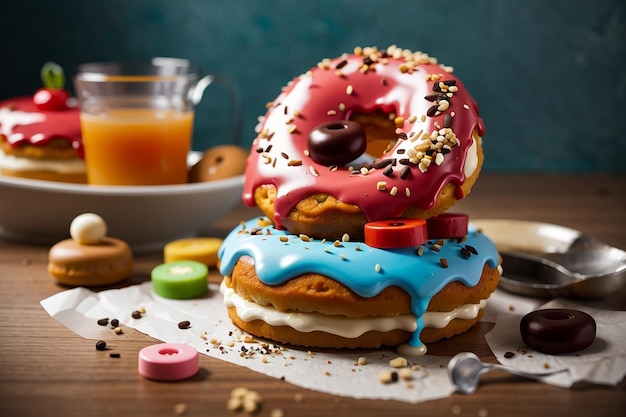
[51, 99]
[395, 233]
[447, 225]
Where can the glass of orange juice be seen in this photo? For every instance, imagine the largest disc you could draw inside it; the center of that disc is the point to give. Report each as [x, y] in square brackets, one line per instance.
[137, 120]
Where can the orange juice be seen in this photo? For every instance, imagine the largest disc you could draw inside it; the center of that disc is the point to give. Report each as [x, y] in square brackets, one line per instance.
[137, 146]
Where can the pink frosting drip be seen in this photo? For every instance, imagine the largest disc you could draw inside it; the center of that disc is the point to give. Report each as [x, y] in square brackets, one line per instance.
[63, 124]
[321, 95]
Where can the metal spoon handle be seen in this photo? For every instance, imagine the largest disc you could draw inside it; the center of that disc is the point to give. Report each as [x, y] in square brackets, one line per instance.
[531, 375]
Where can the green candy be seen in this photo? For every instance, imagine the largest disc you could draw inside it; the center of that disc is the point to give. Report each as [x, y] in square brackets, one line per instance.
[180, 279]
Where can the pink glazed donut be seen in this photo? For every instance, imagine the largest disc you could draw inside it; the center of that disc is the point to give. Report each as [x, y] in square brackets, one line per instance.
[422, 149]
[168, 362]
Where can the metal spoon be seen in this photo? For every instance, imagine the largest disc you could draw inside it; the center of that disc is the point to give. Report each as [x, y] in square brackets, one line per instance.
[547, 260]
[591, 272]
[465, 370]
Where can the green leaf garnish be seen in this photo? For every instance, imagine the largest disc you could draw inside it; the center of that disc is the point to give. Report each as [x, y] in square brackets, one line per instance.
[52, 76]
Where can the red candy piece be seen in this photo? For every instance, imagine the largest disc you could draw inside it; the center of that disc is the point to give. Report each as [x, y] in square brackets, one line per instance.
[396, 233]
[447, 225]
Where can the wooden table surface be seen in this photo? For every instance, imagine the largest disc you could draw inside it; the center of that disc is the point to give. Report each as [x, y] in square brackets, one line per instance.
[47, 370]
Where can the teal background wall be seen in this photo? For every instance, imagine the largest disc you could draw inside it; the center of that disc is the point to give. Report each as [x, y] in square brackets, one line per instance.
[549, 75]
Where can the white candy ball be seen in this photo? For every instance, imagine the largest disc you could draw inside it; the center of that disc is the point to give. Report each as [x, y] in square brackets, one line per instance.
[88, 229]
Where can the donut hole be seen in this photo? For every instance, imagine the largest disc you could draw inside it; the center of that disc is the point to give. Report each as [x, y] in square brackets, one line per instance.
[169, 351]
[380, 130]
[557, 315]
[336, 126]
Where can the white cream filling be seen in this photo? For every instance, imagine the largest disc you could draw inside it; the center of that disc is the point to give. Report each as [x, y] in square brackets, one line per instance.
[342, 325]
[471, 160]
[66, 166]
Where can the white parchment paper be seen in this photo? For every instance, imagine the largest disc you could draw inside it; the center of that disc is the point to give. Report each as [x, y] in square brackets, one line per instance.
[212, 334]
[334, 372]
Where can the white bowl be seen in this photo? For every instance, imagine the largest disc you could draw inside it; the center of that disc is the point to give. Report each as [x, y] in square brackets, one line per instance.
[146, 217]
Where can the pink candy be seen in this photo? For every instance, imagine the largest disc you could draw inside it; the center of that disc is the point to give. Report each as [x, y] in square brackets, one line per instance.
[168, 362]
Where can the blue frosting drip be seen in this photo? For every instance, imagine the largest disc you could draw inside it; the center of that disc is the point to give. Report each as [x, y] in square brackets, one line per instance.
[364, 269]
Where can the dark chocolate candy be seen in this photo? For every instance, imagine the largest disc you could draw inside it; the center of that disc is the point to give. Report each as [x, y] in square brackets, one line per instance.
[558, 331]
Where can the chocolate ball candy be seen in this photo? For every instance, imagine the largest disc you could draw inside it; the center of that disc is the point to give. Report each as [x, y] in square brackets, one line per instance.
[558, 331]
[337, 142]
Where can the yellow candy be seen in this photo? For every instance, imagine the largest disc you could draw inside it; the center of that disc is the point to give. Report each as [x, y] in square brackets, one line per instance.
[199, 249]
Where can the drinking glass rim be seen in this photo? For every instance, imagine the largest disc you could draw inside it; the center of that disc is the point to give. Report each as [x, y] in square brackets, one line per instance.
[138, 71]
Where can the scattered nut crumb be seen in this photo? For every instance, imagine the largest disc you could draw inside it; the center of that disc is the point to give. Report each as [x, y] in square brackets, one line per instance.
[456, 410]
[361, 361]
[386, 376]
[298, 397]
[180, 409]
[405, 374]
[398, 362]
[118, 330]
[244, 399]
[483, 412]
[277, 412]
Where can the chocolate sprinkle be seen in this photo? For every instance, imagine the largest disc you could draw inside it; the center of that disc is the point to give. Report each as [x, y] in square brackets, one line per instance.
[342, 64]
[471, 249]
[383, 163]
